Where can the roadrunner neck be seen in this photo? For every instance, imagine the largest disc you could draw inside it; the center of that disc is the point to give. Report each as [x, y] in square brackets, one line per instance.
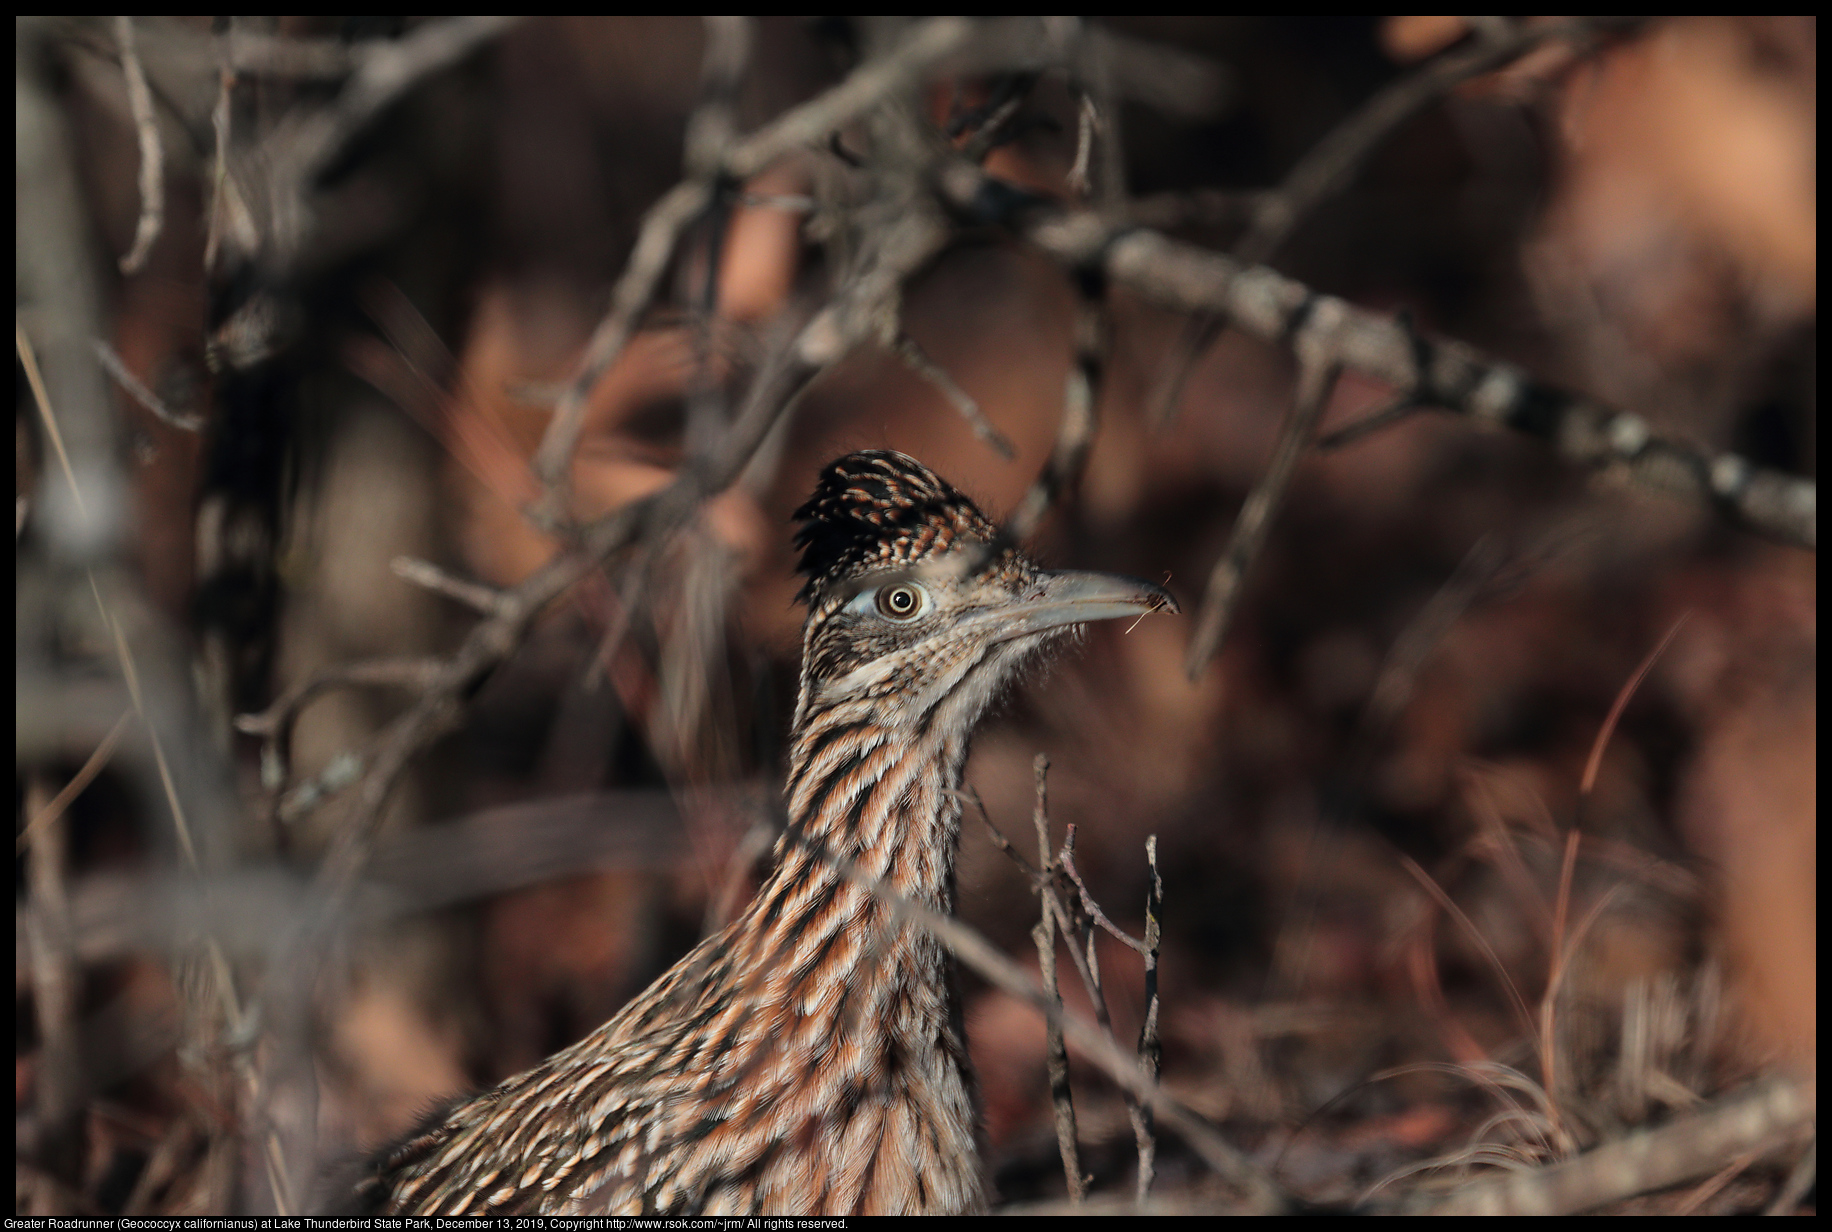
[809, 1058]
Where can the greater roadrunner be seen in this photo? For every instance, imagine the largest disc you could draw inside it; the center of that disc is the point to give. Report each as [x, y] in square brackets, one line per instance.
[808, 1058]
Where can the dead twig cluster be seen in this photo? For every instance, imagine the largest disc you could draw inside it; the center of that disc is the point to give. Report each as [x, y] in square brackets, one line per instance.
[1076, 919]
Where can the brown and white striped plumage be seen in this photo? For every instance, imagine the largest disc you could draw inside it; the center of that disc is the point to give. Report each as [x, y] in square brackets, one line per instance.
[808, 1058]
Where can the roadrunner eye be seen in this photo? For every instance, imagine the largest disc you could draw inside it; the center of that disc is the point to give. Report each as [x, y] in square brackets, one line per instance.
[904, 601]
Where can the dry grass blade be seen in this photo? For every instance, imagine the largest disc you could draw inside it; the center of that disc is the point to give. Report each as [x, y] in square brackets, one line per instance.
[1468, 925]
[74, 788]
[1595, 763]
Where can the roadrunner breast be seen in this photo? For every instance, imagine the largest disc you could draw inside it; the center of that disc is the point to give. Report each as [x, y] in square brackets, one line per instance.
[809, 1058]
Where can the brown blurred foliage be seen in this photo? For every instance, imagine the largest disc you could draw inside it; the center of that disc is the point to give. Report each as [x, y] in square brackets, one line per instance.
[1363, 805]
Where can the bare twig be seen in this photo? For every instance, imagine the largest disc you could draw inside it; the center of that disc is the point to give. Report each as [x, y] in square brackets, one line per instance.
[1316, 380]
[141, 394]
[1062, 1099]
[423, 573]
[1804, 1176]
[385, 70]
[58, 1076]
[1766, 1118]
[274, 721]
[1422, 634]
[74, 788]
[983, 129]
[1087, 966]
[130, 673]
[998, 837]
[714, 124]
[1715, 1185]
[1334, 160]
[1087, 123]
[1396, 409]
[34, 379]
[1092, 908]
[1096, 83]
[152, 152]
[669, 218]
[1444, 374]
[1150, 1050]
[911, 353]
[1090, 974]
[1080, 412]
[228, 213]
[1263, 1196]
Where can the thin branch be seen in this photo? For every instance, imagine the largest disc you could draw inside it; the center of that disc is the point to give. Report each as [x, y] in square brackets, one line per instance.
[1410, 651]
[275, 724]
[130, 673]
[425, 574]
[1062, 1099]
[34, 379]
[280, 715]
[661, 230]
[911, 353]
[1087, 123]
[74, 788]
[1316, 380]
[141, 394]
[1151, 1053]
[1450, 375]
[669, 218]
[1333, 161]
[714, 123]
[1090, 974]
[228, 213]
[1263, 1195]
[1054, 909]
[152, 152]
[1763, 1119]
[1446, 374]
[998, 837]
[1092, 908]
[58, 1077]
[1401, 407]
[1080, 411]
[386, 69]
[1799, 1182]
[991, 125]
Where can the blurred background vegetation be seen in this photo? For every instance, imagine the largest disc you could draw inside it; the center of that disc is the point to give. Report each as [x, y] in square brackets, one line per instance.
[1365, 804]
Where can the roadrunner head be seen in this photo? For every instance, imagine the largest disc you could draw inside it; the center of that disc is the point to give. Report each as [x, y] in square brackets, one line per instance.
[919, 609]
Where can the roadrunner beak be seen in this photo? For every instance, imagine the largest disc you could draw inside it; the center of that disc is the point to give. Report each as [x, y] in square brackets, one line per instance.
[1075, 598]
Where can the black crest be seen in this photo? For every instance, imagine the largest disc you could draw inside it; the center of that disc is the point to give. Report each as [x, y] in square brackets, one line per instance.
[876, 509]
